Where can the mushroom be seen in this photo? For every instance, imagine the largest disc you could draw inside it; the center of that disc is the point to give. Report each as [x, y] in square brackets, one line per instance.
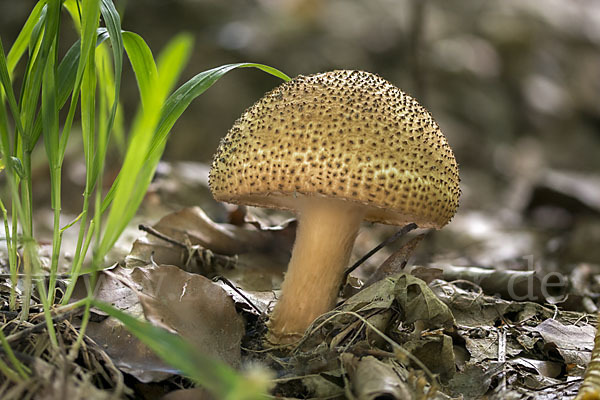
[336, 148]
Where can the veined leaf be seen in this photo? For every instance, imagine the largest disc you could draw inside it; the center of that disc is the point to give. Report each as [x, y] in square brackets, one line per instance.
[220, 379]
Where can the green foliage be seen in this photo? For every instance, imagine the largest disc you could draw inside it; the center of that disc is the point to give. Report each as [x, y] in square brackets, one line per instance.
[89, 76]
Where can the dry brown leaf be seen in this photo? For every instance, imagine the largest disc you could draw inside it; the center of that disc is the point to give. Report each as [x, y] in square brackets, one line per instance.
[574, 343]
[420, 303]
[374, 379]
[545, 368]
[128, 353]
[187, 304]
[109, 290]
[436, 352]
[252, 255]
[194, 226]
[193, 307]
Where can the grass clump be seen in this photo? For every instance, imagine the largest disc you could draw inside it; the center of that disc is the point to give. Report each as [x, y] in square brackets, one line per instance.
[82, 88]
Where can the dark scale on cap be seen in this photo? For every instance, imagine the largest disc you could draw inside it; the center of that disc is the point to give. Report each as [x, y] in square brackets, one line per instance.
[375, 144]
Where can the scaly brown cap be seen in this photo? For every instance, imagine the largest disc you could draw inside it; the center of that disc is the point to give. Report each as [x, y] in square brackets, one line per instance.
[348, 135]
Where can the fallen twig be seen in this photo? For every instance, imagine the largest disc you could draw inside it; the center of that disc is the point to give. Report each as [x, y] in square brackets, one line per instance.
[405, 229]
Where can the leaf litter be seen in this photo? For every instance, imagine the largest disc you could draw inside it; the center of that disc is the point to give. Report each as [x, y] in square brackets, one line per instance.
[420, 328]
[186, 304]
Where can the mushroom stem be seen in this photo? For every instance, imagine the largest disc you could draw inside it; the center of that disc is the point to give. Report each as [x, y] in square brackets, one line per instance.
[324, 239]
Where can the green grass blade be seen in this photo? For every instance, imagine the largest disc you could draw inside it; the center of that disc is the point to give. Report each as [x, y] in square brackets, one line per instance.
[129, 185]
[20, 45]
[36, 33]
[112, 79]
[11, 235]
[173, 58]
[34, 44]
[5, 150]
[72, 6]
[88, 107]
[65, 75]
[89, 24]
[143, 65]
[178, 102]
[50, 112]
[220, 379]
[85, 83]
[35, 73]
[113, 26]
[8, 90]
[21, 370]
[51, 132]
[90, 17]
[108, 100]
[65, 81]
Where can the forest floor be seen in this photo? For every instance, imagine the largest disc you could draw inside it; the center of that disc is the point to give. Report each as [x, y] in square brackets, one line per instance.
[499, 304]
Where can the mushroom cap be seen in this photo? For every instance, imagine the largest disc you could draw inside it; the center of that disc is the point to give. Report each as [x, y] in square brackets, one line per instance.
[349, 135]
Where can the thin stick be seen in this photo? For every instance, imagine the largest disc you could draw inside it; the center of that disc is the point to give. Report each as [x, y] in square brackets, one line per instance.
[40, 326]
[35, 276]
[238, 291]
[226, 260]
[150, 230]
[405, 229]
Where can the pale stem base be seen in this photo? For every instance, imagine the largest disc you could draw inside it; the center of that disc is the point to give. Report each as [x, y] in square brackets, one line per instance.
[324, 239]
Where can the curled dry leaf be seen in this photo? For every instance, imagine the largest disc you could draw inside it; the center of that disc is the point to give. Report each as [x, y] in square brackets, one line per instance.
[436, 352]
[414, 297]
[472, 309]
[378, 295]
[192, 229]
[374, 379]
[420, 303]
[572, 191]
[544, 368]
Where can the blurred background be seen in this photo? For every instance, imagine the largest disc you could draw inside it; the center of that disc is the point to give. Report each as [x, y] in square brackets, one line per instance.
[514, 85]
